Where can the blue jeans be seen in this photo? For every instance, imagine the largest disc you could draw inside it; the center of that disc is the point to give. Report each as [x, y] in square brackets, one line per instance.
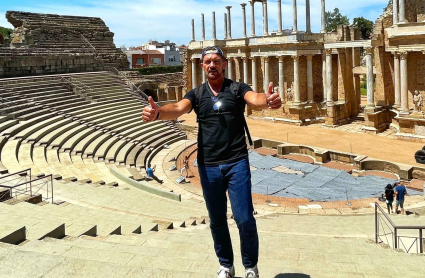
[235, 177]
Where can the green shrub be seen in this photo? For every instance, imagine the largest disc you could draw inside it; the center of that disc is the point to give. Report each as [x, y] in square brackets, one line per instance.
[159, 69]
[363, 91]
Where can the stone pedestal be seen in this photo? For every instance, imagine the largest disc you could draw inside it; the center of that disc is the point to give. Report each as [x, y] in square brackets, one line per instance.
[377, 120]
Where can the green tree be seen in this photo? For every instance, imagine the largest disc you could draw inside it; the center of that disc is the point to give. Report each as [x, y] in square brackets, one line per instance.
[364, 25]
[335, 18]
[6, 32]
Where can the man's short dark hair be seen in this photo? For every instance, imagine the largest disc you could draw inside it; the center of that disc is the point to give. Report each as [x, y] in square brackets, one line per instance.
[213, 50]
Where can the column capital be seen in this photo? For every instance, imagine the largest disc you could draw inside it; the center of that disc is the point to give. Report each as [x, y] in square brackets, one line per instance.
[266, 59]
[328, 51]
[403, 55]
[252, 2]
[368, 50]
[228, 7]
[193, 60]
[423, 51]
[396, 54]
[309, 57]
[243, 5]
[295, 57]
[245, 59]
[281, 57]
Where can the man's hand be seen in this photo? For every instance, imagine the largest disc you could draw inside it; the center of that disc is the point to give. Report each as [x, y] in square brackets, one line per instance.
[150, 113]
[273, 100]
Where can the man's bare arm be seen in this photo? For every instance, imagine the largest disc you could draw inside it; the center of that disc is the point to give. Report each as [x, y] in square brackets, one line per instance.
[168, 112]
[264, 101]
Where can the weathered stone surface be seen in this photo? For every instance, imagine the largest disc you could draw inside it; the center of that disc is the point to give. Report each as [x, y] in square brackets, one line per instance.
[48, 44]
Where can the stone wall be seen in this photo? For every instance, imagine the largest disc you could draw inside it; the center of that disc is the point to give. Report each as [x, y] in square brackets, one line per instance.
[60, 38]
[26, 65]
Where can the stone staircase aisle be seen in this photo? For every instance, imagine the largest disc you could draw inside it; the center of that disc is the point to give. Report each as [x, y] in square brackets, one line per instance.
[290, 246]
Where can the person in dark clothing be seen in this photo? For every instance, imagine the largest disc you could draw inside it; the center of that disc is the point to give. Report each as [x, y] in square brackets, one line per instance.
[389, 196]
[222, 155]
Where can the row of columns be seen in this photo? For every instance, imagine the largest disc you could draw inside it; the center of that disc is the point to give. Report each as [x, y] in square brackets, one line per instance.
[400, 72]
[401, 92]
[228, 20]
[399, 11]
[297, 96]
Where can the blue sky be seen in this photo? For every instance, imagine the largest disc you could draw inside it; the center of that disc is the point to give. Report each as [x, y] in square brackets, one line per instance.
[137, 21]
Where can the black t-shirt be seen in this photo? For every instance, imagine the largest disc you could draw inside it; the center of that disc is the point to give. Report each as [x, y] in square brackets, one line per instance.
[221, 136]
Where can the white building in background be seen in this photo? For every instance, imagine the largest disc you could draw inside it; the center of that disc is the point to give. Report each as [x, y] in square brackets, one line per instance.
[169, 49]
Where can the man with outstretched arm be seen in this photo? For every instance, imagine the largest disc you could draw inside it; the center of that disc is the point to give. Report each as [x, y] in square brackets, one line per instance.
[222, 155]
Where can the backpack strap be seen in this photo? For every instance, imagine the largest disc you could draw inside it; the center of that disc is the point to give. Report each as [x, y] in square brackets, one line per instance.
[239, 102]
[198, 92]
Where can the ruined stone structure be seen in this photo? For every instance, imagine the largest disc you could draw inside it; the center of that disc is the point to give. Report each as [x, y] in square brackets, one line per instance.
[161, 87]
[48, 44]
[400, 67]
[318, 74]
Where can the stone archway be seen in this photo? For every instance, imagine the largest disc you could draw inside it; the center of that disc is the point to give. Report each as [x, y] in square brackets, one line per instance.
[151, 93]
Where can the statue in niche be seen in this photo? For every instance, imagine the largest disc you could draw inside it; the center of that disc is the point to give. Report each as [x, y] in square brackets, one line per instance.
[417, 100]
[289, 95]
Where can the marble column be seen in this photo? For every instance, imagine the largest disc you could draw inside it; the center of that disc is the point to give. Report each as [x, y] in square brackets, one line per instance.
[245, 69]
[244, 19]
[214, 29]
[404, 109]
[329, 83]
[324, 77]
[297, 93]
[194, 83]
[369, 77]
[310, 78]
[395, 12]
[230, 68]
[265, 19]
[281, 78]
[279, 15]
[307, 17]
[193, 30]
[266, 74]
[225, 26]
[323, 17]
[397, 91]
[252, 18]
[203, 26]
[254, 74]
[402, 11]
[229, 23]
[294, 17]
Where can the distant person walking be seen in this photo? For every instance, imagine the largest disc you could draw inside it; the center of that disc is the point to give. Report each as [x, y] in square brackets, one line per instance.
[400, 192]
[222, 159]
[185, 166]
[389, 196]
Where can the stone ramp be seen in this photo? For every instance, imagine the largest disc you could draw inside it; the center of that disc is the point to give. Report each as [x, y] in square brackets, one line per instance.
[189, 253]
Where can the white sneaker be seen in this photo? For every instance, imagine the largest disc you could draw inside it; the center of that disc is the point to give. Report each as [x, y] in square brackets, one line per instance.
[226, 272]
[252, 272]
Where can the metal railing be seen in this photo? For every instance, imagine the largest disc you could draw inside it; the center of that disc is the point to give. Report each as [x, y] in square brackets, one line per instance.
[386, 231]
[87, 41]
[24, 185]
[129, 83]
[80, 88]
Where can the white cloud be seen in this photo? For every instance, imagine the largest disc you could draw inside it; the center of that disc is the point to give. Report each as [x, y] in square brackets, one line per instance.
[135, 22]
